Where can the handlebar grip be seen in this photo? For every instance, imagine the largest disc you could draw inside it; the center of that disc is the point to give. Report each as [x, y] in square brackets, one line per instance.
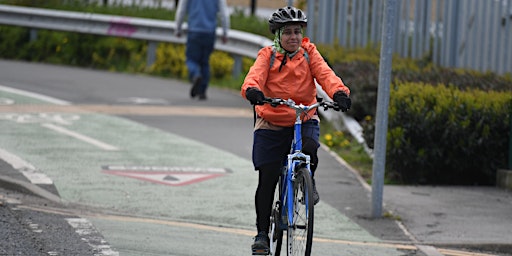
[274, 102]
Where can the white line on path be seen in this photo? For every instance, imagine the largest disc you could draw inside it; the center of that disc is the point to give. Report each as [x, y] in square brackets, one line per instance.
[28, 170]
[81, 137]
[91, 236]
[34, 95]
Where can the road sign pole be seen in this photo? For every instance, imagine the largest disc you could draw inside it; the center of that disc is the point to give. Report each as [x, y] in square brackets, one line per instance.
[381, 119]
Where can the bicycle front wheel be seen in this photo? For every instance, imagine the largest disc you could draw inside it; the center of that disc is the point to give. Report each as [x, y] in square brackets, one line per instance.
[300, 232]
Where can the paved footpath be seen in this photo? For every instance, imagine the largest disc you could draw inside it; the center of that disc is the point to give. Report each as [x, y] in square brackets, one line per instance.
[156, 172]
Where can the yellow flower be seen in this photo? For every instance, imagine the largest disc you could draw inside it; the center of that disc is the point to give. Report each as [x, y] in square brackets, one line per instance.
[328, 137]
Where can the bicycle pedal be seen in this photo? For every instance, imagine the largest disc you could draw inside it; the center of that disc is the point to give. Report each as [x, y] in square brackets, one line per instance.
[260, 252]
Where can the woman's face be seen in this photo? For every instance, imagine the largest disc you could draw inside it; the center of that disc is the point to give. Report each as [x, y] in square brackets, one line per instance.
[291, 37]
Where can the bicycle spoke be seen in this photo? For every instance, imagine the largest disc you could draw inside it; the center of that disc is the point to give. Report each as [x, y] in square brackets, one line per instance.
[300, 233]
[276, 233]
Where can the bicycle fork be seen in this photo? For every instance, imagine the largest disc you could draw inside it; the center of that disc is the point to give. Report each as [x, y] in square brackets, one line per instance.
[295, 162]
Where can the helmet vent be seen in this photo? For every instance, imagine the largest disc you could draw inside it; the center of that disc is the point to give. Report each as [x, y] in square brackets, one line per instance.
[286, 15]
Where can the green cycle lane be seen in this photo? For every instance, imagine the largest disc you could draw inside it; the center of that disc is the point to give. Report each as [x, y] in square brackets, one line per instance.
[160, 194]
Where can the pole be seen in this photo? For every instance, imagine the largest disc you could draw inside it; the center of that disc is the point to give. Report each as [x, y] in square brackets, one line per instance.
[253, 7]
[510, 140]
[381, 119]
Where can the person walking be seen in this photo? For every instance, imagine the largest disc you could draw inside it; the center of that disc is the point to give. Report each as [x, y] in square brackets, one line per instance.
[202, 24]
[286, 70]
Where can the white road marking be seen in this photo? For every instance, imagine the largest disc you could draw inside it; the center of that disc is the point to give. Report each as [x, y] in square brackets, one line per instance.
[91, 236]
[139, 100]
[6, 101]
[429, 250]
[28, 170]
[34, 95]
[81, 137]
[145, 110]
[14, 160]
[32, 118]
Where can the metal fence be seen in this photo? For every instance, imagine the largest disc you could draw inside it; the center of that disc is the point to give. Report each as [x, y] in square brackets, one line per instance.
[473, 34]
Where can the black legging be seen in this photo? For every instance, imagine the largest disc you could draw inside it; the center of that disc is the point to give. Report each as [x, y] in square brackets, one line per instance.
[267, 181]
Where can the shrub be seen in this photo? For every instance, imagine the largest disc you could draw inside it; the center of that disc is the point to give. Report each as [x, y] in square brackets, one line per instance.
[221, 65]
[11, 38]
[251, 24]
[443, 135]
[116, 54]
[359, 69]
[362, 78]
[170, 61]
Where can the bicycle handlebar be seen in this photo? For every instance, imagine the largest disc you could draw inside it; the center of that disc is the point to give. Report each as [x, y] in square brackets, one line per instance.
[274, 102]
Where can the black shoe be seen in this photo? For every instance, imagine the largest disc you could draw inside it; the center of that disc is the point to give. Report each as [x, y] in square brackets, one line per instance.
[196, 83]
[316, 196]
[202, 96]
[260, 246]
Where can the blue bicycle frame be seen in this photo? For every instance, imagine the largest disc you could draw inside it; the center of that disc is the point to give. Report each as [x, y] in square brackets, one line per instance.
[287, 202]
[295, 158]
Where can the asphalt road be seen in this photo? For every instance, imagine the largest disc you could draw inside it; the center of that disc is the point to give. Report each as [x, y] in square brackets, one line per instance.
[152, 172]
[113, 161]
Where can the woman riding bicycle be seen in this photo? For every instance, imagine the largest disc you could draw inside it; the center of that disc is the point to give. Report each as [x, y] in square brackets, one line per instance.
[286, 70]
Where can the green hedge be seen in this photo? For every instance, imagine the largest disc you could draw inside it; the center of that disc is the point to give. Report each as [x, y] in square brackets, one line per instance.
[443, 135]
[100, 52]
[170, 61]
[456, 133]
[362, 76]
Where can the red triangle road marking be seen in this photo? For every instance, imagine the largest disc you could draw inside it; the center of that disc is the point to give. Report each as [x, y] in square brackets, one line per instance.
[166, 178]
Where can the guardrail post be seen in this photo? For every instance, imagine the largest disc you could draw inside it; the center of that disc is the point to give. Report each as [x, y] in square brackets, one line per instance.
[237, 66]
[510, 140]
[151, 53]
[33, 34]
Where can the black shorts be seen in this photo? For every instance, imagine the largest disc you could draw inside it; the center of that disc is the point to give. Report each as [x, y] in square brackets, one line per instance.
[272, 146]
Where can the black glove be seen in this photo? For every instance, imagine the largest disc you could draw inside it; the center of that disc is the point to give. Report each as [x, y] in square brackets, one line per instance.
[343, 100]
[255, 96]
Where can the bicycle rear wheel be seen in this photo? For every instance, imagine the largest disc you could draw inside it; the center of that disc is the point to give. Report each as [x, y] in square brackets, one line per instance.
[276, 232]
[300, 233]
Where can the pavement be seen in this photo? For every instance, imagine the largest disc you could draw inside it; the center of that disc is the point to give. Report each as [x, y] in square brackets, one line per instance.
[434, 220]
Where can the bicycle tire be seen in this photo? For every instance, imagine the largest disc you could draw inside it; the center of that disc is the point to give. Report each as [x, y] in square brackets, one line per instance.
[300, 233]
[276, 232]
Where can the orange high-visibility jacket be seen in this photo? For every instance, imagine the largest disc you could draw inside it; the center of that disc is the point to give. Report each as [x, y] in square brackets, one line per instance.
[294, 81]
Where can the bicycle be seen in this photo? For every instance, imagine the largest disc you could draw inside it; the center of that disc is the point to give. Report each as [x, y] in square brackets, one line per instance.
[293, 206]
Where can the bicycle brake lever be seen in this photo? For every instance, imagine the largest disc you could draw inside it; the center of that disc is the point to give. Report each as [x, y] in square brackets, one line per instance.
[273, 102]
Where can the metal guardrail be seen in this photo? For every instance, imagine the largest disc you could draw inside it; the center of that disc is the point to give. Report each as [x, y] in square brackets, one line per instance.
[239, 43]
